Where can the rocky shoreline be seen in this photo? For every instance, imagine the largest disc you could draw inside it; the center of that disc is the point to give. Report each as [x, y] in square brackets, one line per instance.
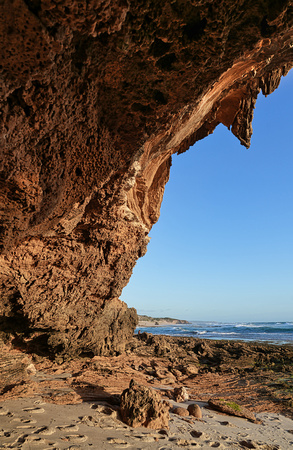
[147, 321]
[85, 395]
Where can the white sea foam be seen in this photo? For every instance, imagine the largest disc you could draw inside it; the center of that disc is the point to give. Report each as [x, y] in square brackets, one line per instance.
[275, 332]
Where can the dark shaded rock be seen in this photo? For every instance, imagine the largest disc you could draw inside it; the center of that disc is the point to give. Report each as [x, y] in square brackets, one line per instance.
[141, 406]
[232, 408]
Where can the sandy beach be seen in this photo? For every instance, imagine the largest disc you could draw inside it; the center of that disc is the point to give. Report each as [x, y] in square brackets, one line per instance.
[74, 404]
[33, 423]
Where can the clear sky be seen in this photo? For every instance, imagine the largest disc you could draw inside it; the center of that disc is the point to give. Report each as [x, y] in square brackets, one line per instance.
[223, 247]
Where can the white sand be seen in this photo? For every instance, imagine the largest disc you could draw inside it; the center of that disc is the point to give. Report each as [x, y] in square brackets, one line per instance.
[30, 423]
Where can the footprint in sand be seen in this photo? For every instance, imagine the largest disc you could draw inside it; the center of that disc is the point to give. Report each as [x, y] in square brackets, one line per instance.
[90, 421]
[24, 420]
[35, 440]
[3, 411]
[45, 430]
[144, 438]
[227, 424]
[119, 442]
[75, 438]
[34, 410]
[68, 427]
[39, 402]
[72, 447]
[184, 442]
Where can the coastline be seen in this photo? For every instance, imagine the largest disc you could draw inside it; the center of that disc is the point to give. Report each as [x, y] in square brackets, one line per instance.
[156, 323]
[72, 396]
[147, 321]
[275, 333]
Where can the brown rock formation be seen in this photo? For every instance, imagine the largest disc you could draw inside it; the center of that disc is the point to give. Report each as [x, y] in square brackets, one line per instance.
[95, 97]
[232, 408]
[143, 407]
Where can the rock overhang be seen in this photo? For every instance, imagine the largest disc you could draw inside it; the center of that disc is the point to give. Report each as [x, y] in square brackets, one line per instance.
[95, 98]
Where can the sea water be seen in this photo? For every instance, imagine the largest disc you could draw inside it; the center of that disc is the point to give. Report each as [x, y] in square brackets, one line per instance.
[270, 332]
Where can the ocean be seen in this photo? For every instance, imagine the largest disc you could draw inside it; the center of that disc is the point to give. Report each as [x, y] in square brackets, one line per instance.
[270, 332]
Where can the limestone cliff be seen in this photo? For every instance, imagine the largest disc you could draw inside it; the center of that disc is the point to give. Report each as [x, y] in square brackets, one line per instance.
[95, 97]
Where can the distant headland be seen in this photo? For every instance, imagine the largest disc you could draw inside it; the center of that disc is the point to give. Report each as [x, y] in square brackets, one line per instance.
[147, 321]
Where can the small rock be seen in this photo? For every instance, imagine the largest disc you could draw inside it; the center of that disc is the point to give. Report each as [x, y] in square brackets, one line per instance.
[191, 370]
[31, 370]
[194, 410]
[180, 411]
[180, 394]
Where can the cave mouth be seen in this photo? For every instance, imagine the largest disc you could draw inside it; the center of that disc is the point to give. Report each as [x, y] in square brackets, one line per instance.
[222, 248]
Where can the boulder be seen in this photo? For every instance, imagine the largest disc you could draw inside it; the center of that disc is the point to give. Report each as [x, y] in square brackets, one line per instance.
[142, 406]
[180, 411]
[194, 410]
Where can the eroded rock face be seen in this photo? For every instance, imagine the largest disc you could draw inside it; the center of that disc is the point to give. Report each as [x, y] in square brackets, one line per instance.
[143, 407]
[95, 97]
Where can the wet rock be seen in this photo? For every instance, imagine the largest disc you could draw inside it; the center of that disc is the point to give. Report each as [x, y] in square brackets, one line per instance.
[141, 406]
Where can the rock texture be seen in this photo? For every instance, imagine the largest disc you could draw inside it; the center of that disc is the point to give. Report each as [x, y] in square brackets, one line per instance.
[15, 369]
[142, 406]
[95, 97]
[194, 410]
[232, 408]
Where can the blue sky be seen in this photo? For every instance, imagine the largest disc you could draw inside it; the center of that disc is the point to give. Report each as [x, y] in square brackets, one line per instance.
[223, 247]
